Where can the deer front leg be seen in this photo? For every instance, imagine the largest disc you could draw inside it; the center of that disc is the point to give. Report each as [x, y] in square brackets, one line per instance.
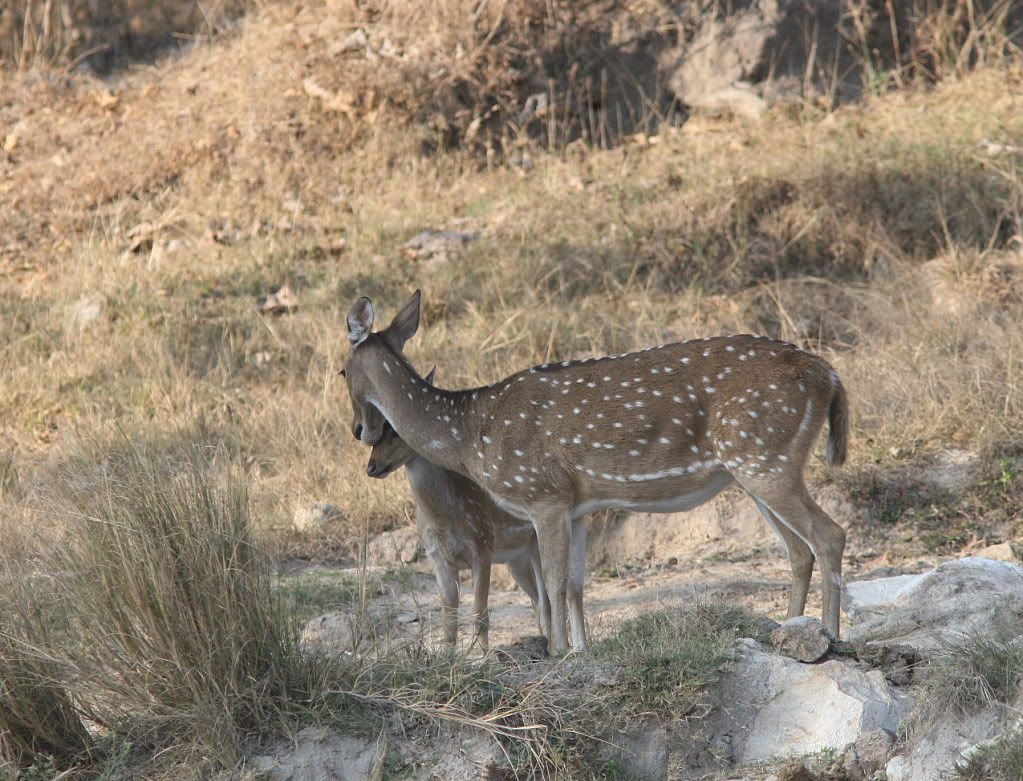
[447, 586]
[553, 531]
[481, 597]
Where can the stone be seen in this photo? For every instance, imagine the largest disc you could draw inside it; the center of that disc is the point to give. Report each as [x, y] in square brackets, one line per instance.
[755, 42]
[774, 707]
[728, 523]
[643, 753]
[358, 630]
[399, 546]
[868, 754]
[802, 638]
[319, 753]
[936, 748]
[279, 302]
[355, 42]
[428, 243]
[962, 597]
[82, 313]
[737, 100]
[309, 517]
[1001, 552]
[795, 770]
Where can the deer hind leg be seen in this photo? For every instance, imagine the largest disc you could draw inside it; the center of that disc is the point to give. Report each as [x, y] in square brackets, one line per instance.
[576, 583]
[481, 599]
[553, 531]
[447, 585]
[521, 570]
[796, 509]
[800, 559]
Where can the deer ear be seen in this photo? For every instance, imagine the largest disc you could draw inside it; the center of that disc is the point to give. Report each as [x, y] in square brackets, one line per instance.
[429, 377]
[360, 321]
[405, 324]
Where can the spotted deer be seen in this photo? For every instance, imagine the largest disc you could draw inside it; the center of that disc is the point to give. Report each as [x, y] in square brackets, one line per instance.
[462, 528]
[661, 430]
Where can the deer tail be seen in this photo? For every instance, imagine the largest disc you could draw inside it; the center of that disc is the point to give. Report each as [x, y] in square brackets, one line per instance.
[838, 423]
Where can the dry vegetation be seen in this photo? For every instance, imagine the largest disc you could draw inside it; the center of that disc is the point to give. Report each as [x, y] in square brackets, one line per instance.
[142, 221]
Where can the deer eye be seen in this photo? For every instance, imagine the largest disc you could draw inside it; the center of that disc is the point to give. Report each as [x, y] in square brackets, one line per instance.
[342, 373]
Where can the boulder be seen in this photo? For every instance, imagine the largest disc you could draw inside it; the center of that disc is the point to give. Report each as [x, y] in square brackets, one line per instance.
[868, 754]
[774, 707]
[802, 638]
[319, 753]
[1001, 552]
[753, 42]
[729, 523]
[961, 597]
[81, 314]
[356, 630]
[935, 749]
[309, 517]
[399, 546]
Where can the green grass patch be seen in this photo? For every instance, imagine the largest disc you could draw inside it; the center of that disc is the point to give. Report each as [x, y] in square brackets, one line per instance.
[670, 658]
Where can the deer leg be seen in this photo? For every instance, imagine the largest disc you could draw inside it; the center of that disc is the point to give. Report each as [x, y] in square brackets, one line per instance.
[800, 559]
[481, 598]
[553, 528]
[541, 590]
[576, 583]
[796, 509]
[521, 570]
[447, 585]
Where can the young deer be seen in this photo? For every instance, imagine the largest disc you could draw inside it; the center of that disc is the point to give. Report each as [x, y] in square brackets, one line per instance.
[660, 430]
[462, 528]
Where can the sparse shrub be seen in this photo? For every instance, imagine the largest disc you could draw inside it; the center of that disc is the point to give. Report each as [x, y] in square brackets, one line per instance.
[180, 635]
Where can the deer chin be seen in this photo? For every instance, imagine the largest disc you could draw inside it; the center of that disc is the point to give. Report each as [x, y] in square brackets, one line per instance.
[387, 470]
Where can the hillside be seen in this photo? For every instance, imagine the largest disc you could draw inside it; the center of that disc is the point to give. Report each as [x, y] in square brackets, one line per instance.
[180, 241]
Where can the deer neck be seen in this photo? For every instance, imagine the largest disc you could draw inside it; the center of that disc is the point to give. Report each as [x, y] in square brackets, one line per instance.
[437, 424]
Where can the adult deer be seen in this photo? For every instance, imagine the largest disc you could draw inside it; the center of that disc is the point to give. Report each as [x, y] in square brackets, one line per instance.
[662, 430]
[462, 528]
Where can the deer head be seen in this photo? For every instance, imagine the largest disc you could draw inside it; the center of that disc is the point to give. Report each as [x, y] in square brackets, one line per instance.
[368, 347]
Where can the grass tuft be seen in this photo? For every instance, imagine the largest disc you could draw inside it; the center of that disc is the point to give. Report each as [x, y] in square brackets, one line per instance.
[670, 658]
[977, 671]
[177, 624]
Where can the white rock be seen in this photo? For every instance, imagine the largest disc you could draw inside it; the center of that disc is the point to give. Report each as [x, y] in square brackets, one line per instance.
[802, 638]
[961, 597]
[873, 596]
[935, 749]
[399, 546]
[1001, 552]
[728, 523]
[318, 753]
[309, 517]
[82, 313]
[777, 708]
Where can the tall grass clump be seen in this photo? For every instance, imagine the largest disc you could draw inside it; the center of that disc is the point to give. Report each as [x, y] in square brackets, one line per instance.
[178, 629]
[38, 716]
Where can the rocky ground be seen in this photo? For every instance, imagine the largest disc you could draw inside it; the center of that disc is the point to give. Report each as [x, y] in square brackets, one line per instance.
[847, 710]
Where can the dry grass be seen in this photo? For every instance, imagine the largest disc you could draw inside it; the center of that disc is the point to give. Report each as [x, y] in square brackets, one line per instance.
[886, 236]
[64, 33]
